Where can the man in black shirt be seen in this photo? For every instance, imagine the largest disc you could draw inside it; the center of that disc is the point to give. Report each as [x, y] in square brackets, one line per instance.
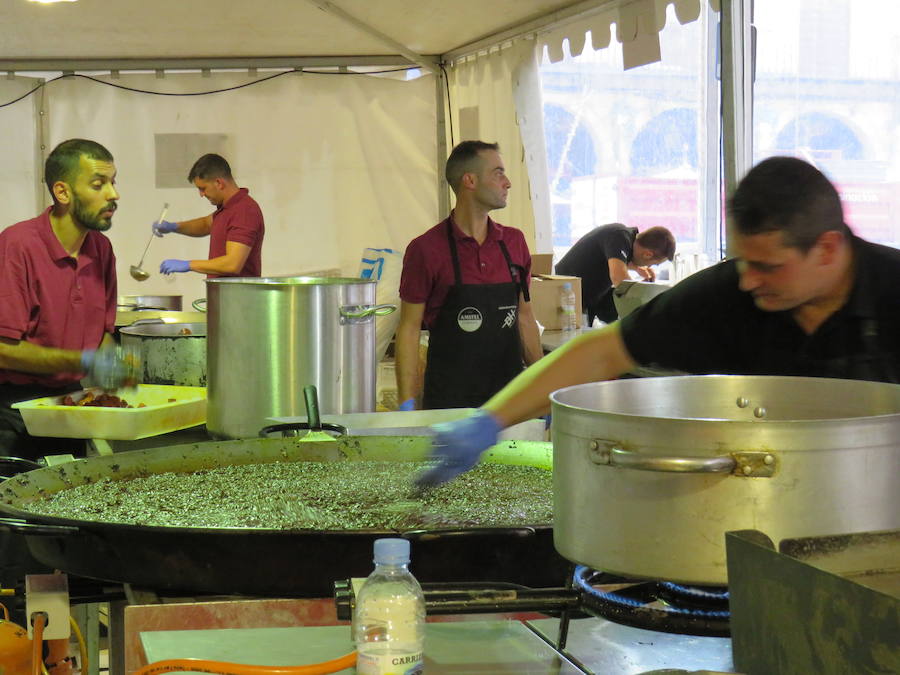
[603, 257]
[803, 296]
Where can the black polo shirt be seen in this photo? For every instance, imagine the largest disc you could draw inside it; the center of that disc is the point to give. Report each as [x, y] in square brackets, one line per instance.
[706, 324]
[589, 259]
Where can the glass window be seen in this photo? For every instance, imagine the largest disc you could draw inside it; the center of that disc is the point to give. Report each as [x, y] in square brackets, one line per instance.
[826, 91]
[636, 146]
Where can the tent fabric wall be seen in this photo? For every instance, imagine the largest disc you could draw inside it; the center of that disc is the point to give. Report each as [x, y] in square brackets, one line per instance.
[496, 97]
[19, 174]
[337, 163]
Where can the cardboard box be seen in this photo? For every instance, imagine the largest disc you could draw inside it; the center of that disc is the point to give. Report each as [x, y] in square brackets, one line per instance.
[545, 290]
[542, 263]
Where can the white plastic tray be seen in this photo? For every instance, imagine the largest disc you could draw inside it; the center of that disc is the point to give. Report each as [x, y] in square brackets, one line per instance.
[161, 414]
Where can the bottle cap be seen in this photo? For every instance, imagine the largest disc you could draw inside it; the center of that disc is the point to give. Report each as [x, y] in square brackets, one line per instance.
[567, 286]
[393, 551]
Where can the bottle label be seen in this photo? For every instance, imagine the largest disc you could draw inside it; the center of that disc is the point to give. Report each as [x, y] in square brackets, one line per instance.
[389, 663]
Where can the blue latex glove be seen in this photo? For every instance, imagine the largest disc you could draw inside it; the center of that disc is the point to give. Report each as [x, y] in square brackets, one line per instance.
[172, 265]
[164, 227]
[408, 404]
[457, 447]
[110, 367]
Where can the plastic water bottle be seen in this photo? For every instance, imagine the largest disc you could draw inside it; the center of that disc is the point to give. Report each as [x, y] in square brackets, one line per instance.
[389, 621]
[568, 315]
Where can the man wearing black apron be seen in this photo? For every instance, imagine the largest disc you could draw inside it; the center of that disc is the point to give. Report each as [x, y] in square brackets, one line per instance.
[466, 280]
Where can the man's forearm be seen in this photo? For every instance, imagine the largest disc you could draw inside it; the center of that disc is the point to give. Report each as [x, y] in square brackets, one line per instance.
[530, 336]
[593, 357]
[197, 227]
[26, 357]
[406, 346]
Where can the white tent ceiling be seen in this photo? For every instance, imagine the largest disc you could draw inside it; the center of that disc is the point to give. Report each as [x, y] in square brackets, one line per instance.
[277, 29]
[137, 34]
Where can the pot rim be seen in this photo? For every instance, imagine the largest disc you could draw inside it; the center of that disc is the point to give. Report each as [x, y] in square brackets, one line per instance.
[142, 330]
[557, 397]
[291, 281]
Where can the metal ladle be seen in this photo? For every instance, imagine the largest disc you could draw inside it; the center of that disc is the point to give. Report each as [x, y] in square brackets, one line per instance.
[137, 272]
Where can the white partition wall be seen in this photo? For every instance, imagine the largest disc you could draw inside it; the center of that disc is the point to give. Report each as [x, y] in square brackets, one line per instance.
[337, 162]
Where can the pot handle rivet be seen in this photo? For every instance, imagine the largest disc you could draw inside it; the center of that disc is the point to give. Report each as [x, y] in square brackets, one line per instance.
[769, 460]
[595, 445]
[747, 469]
[759, 412]
[742, 402]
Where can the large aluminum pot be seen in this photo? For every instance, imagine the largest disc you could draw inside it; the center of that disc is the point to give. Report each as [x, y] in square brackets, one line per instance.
[149, 302]
[171, 353]
[650, 473]
[270, 337]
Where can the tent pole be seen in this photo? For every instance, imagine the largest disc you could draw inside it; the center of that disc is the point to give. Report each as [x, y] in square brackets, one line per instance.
[40, 105]
[428, 63]
[440, 105]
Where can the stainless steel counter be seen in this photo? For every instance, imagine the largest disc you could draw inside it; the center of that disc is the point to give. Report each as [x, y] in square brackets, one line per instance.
[465, 647]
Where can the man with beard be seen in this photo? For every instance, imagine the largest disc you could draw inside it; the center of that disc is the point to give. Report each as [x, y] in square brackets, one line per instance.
[58, 293]
[235, 229]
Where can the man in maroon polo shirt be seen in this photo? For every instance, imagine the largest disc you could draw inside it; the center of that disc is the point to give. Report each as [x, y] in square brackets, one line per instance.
[58, 292]
[466, 280]
[235, 228]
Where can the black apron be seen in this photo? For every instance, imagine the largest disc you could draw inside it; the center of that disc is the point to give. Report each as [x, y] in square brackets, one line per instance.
[474, 348]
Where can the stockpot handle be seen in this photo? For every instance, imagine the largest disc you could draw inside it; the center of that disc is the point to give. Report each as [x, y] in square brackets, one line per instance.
[635, 460]
[751, 464]
[24, 527]
[359, 313]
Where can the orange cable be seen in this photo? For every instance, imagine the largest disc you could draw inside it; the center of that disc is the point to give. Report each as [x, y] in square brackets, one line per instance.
[37, 643]
[224, 668]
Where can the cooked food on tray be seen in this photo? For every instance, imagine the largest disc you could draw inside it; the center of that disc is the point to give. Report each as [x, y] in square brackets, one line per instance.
[102, 400]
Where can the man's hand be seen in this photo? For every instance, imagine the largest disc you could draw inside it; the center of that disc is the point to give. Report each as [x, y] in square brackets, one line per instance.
[647, 274]
[172, 265]
[111, 367]
[164, 227]
[457, 447]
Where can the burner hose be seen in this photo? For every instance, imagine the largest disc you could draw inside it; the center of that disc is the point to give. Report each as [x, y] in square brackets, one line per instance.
[583, 574]
[223, 668]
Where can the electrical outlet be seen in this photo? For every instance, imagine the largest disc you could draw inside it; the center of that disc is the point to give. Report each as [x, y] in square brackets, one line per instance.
[48, 593]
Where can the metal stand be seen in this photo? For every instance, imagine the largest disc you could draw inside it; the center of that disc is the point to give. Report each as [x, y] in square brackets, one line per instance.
[88, 618]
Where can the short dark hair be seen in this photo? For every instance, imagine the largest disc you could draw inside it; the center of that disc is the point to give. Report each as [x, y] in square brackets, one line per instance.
[209, 166]
[787, 195]
[463, 159]
[62, 163]
[659, 240]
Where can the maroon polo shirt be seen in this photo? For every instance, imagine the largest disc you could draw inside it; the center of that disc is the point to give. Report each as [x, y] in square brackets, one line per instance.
[428, 270]
[239, 219]
[51, 299]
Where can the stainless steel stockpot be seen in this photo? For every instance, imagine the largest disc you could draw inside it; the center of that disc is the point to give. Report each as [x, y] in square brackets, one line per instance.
[650, 473]
[171, 353]
[270, 337]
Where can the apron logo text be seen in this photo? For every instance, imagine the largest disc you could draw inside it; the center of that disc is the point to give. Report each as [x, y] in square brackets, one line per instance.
[469, 319]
